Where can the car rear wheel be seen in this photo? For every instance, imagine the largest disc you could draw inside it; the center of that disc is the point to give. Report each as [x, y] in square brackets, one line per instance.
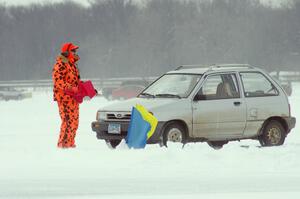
[112, 143]
[273, 134]
[174, 132]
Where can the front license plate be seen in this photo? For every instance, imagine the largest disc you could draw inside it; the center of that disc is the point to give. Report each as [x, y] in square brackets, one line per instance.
[114, 128]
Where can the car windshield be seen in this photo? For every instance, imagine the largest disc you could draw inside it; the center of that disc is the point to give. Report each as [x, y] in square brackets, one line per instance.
[172, 86]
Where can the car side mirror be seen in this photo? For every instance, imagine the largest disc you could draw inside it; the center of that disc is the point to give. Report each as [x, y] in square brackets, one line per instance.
[199, 97]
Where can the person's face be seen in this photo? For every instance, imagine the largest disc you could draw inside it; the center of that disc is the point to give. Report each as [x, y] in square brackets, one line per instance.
[76, 57]
[74, 51]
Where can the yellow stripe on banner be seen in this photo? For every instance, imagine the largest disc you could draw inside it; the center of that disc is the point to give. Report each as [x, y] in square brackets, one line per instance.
[149, 118]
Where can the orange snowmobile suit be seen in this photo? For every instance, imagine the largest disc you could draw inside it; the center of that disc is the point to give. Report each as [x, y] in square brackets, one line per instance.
[66, 77]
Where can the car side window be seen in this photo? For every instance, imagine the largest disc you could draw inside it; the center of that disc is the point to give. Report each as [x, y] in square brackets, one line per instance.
[221, 86]
[257, 85]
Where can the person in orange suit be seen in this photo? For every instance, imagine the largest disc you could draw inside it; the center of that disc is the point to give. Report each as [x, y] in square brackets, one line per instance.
[66, 79]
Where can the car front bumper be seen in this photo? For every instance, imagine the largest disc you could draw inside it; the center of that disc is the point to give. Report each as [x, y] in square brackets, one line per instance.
[101, 128]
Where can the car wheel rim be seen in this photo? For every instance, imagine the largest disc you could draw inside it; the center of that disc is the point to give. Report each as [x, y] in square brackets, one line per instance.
[274, 136]
[175, 135]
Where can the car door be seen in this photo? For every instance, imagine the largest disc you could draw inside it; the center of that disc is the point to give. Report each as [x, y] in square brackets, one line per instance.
[219, 112]
[263, 101]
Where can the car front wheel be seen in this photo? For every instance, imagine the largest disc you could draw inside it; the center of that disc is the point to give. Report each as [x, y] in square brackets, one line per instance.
[174, 132]
[273, 134]
[112, 143]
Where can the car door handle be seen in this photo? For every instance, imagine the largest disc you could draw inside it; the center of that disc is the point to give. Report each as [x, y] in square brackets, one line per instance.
[237, 103]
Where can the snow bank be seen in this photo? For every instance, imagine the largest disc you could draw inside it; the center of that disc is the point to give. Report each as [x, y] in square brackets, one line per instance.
[32, 167]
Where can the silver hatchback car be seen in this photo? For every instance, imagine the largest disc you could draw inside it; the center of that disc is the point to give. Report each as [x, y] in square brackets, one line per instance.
[214, 104]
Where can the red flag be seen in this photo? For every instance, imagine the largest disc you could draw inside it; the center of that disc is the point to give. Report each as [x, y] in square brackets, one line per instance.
[84, 89]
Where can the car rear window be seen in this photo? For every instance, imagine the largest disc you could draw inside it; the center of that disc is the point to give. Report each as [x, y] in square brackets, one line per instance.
[257, 85]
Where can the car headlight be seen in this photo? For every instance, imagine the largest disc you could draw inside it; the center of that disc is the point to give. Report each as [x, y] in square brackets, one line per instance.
[101, 115]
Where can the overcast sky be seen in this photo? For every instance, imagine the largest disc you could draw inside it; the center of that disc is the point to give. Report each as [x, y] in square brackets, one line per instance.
[85, 2]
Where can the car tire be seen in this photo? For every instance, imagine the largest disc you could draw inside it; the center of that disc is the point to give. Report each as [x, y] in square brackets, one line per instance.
[174, 132]
[217, 144]
[112, 143]
[273, 134]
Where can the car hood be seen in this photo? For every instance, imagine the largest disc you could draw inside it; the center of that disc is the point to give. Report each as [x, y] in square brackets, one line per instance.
[148, 103]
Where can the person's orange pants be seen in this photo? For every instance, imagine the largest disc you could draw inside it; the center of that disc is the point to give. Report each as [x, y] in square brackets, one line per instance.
[69, 114]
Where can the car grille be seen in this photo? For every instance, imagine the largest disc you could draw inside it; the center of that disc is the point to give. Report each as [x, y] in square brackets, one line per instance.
[118, 116]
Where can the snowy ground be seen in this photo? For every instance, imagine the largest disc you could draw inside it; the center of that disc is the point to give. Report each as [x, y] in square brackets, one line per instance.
[32, 167]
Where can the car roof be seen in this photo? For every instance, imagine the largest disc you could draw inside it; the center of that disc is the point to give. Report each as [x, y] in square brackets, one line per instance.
[201, 69]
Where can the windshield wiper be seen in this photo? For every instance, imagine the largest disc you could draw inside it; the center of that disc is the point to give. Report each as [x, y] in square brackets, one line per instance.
[148, 95]
[167, 95]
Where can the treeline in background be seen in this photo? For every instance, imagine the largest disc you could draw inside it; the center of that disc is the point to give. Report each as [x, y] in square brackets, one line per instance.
[121, 38]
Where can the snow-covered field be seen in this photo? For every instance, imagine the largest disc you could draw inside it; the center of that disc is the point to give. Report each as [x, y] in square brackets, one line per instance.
[32, 167]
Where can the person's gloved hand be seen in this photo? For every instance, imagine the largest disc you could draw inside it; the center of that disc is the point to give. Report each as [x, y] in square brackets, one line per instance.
[74, 90]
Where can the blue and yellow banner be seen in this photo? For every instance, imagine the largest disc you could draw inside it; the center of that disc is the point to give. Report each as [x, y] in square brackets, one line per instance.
[142, 126]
